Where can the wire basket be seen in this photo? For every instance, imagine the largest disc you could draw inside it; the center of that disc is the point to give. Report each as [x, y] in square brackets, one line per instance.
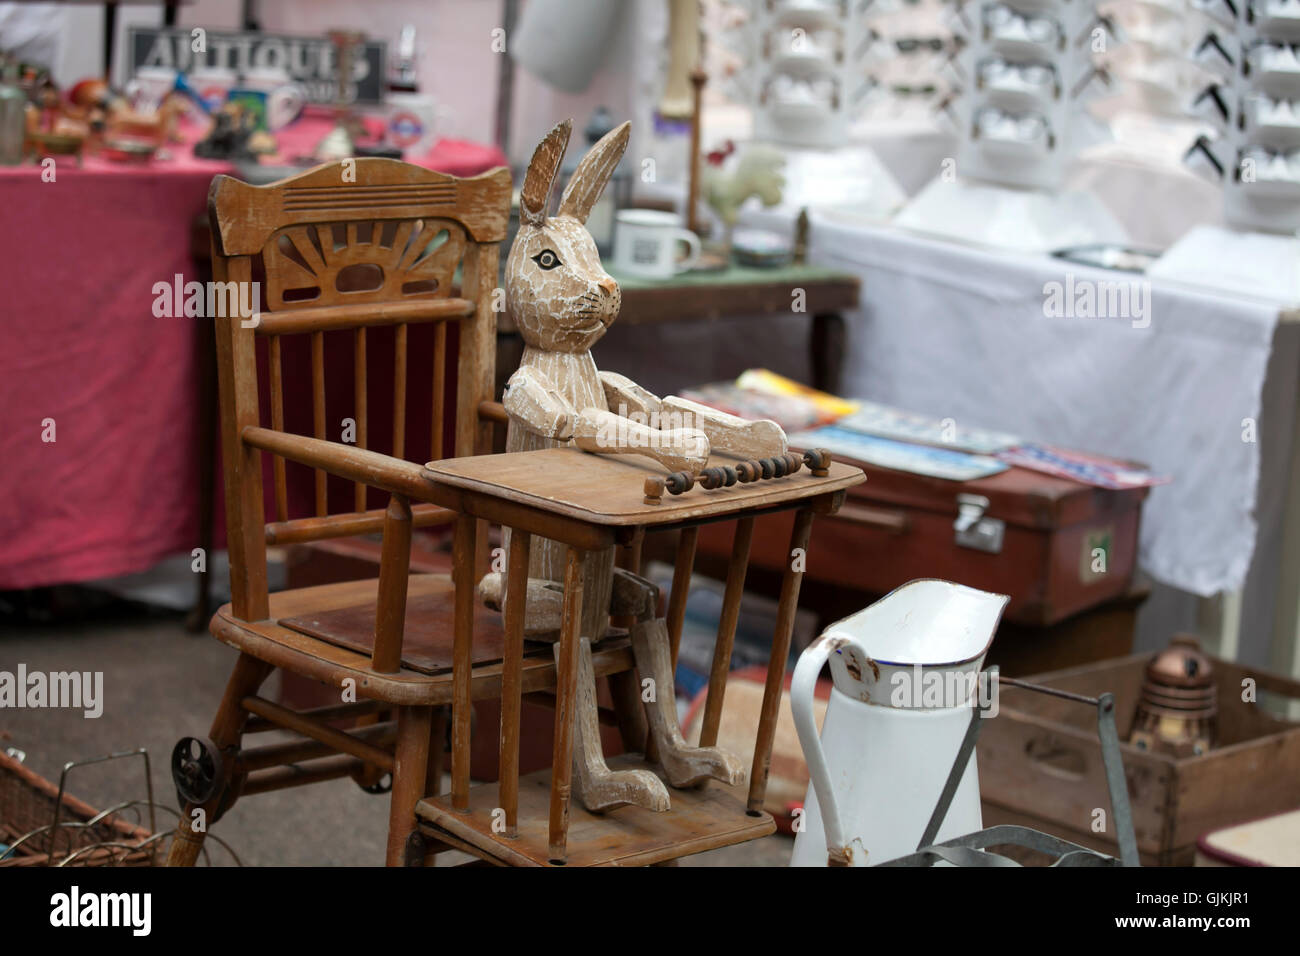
[42, 825]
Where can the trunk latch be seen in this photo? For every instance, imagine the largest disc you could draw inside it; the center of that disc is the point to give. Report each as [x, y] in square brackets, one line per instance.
[973, 530]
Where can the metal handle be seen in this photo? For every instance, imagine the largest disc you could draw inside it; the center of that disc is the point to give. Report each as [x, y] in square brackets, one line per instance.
[803, 688]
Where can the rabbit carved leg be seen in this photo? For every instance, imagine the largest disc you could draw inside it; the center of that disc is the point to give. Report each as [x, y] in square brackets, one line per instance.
[684, 765]
[597, 787]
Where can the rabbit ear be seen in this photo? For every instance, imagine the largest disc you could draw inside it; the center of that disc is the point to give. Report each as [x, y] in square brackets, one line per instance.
[535, 195]
[593, 173]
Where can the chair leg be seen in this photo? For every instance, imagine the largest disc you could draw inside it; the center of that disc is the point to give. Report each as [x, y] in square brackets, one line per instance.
[410, 769]
[227, 728]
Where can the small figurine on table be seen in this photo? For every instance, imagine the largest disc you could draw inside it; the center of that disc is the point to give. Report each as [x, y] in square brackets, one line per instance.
[562, 301]
[234, 135]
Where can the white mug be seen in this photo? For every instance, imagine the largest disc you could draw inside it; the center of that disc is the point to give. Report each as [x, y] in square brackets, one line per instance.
[646, 241]
[285, 99]
[149, 87]
[412, 124]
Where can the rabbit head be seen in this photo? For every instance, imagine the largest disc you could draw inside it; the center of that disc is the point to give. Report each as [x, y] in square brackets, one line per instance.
[560, 297]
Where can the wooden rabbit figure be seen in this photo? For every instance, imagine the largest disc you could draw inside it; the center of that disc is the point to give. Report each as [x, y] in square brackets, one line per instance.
[562, 301]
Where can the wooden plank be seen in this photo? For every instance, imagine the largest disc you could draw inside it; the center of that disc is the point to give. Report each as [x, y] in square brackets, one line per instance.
[237, 377]
[683, 565]
[704, 818]
[346, 526]
[318, 414]
[410, 765]
[360, 408]
[394, 574]
[245, 217]
[477, 361]
[731, 595]
[609, 490]
[354, 464]
[786, 608]
[328, 318]
[277, 423]
[399, 391]
[331, 664]
[316, 730]
[512, 676]
[439, 388]
[466, 531]
[565, 694]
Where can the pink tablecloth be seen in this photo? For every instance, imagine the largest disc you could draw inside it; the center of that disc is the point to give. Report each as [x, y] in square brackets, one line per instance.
[116, 489]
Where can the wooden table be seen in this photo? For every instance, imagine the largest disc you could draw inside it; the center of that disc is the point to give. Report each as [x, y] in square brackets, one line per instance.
[590, 503]
[736, 291]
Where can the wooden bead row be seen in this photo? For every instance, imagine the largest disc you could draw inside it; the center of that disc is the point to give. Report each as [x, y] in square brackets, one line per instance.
[724, 476]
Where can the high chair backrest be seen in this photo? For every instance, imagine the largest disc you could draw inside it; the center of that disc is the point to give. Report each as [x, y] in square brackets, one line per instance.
[346, 247]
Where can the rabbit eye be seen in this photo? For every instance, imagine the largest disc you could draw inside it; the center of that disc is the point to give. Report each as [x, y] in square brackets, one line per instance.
[547, 259]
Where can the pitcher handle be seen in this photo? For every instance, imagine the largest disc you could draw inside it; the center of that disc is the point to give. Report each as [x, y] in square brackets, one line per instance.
[803, 691]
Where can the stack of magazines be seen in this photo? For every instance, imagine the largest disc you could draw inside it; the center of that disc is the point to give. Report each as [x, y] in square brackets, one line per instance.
[905, 441]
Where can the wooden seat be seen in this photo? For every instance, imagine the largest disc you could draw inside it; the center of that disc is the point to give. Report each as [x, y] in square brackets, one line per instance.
[355, 252]
[342, 646]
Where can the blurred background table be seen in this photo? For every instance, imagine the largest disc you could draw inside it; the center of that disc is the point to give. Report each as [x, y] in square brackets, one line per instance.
[129, 476]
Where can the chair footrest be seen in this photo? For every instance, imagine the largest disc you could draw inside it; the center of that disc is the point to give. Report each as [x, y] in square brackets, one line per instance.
[700, 819]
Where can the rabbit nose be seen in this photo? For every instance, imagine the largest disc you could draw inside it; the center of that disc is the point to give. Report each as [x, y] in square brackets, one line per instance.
[608, 285]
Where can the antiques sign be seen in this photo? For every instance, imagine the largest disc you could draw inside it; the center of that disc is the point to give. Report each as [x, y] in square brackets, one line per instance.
[309, 61]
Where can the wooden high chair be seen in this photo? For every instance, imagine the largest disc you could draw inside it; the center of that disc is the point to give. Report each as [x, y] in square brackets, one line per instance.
[590, 503]
[344, 247]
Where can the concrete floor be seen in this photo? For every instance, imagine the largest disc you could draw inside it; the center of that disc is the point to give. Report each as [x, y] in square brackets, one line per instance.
[161, 683]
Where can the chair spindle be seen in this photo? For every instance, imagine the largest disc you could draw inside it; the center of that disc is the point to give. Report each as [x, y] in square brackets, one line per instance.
[512, 675]
[277, 422]
[359, 404]
[318, 412]
[399, 391]
[439, 387]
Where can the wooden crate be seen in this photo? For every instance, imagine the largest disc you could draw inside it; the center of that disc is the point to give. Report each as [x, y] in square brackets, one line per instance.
[1040, 762]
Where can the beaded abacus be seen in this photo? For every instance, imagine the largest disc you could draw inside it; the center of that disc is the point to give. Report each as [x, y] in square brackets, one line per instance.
[818, 461]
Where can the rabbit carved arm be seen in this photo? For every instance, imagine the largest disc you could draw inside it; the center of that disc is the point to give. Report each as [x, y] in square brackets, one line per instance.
[726, 433]
[534, 402]
[531, 400]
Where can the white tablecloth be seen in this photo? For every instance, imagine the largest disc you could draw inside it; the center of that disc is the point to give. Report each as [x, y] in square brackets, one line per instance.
[961, 332]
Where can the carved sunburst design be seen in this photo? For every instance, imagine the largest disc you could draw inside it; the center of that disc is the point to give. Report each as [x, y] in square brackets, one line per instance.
[359, 262]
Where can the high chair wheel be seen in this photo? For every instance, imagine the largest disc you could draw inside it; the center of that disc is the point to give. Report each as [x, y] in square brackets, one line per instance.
[383, 785]
[196, 769]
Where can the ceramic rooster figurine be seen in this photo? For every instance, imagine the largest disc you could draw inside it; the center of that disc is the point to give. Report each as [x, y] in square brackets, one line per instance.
[562, 301]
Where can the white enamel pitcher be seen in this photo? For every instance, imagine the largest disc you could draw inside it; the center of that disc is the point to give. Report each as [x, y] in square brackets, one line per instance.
[904, 672]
